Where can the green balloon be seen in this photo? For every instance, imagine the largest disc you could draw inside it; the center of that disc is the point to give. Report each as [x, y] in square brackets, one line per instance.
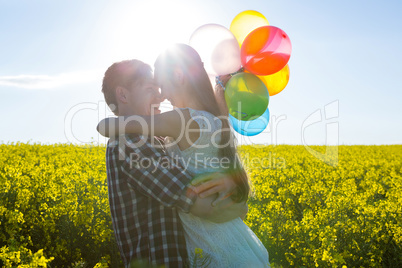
[246, 96]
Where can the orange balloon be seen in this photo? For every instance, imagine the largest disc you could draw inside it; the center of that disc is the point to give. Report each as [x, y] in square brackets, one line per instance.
[245, 22]
[266, 50]
[276, 82]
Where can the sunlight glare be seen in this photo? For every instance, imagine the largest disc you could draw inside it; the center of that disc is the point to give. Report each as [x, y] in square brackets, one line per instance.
[142, 30]
[145, 29]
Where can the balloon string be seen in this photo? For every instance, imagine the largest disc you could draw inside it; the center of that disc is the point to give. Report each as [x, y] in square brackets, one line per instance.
[219, 82]
[241, 70]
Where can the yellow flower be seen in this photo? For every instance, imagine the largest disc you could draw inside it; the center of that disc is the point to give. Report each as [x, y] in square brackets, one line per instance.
[198, 251]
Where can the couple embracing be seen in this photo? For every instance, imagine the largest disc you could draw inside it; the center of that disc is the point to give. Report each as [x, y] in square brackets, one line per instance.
[176, 185]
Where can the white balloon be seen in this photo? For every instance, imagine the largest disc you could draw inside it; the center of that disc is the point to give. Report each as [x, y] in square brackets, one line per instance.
[218, 49]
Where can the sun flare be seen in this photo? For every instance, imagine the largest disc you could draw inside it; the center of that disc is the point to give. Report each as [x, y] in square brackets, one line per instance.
[144, 29]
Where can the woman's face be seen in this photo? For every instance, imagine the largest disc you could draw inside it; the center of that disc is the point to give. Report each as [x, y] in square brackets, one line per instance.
[168, 89]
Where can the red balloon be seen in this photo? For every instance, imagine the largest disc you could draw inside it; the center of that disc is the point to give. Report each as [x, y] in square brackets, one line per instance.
[266, 50]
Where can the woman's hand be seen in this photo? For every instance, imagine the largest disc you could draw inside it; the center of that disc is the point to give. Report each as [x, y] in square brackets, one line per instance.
[220, 93]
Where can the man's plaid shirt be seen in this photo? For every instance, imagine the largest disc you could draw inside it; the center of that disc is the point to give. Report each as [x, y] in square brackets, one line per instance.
[145, 189]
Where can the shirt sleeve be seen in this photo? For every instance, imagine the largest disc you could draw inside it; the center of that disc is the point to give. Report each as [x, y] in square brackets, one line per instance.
[154, 173]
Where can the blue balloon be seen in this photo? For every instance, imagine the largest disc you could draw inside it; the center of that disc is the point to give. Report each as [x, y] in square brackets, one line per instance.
[252, 127]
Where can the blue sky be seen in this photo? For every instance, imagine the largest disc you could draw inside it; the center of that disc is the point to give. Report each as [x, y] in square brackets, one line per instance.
[345, 75]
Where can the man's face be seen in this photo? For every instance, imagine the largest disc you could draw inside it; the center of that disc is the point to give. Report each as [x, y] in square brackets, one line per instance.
[146, 98]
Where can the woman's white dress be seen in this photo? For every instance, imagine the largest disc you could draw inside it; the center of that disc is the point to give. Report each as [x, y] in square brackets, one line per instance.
[229, 244]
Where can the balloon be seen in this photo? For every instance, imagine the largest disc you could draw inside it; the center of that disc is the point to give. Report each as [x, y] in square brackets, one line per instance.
[246, 96]
[276, 82]
[252, 127]
[218, 48]
[245, 22]
[266, 50]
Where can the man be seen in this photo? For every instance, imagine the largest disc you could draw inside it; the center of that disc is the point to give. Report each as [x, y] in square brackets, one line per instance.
[144, 194]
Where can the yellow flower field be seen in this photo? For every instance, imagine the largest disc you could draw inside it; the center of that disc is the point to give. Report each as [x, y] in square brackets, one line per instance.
[54, 206]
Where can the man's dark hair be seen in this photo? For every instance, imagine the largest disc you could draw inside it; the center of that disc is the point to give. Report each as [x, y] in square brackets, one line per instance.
[124, 74]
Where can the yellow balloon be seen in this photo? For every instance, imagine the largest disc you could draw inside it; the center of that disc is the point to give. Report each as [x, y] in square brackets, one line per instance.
[276, 82]
[245, 22]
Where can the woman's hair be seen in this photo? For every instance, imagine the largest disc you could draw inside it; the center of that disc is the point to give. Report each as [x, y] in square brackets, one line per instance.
[186, 58]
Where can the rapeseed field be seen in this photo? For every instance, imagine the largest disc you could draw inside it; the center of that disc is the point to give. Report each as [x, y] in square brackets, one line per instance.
[342, 209]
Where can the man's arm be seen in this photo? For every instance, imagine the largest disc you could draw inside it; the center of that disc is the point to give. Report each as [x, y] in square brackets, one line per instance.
[155, 174]
[226, 210]
[216, 204]
[166, 181]
[212, 183]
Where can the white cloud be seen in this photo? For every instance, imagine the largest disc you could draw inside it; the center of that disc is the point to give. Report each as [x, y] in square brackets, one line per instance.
[50, 81]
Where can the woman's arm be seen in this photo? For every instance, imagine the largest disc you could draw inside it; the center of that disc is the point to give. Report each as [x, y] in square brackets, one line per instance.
[172, 124]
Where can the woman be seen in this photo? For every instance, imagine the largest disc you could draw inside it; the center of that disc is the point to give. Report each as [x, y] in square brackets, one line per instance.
[199, 136]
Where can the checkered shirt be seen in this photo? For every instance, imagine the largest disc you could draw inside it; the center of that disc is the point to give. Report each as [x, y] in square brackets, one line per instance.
[146, 187]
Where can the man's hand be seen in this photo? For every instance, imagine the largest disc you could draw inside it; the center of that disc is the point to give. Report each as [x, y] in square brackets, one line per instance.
[220, 183]
[227, 211]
